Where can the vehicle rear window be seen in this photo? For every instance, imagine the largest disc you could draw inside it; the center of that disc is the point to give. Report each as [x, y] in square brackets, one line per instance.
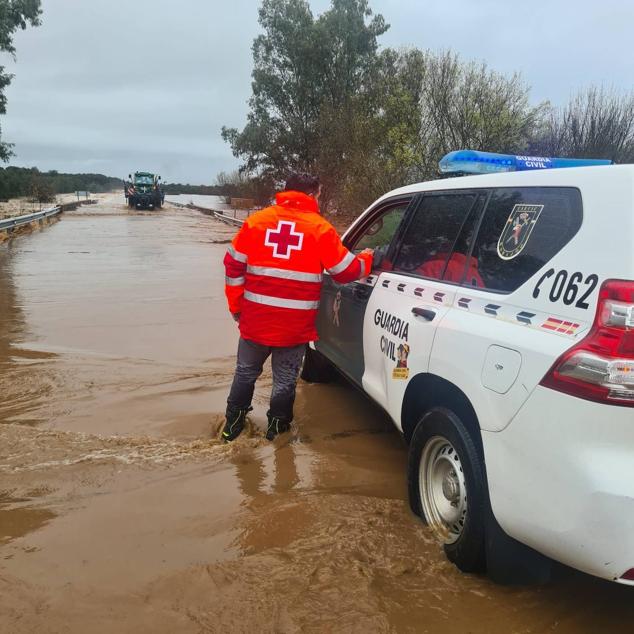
[522, 229]
[429, 239]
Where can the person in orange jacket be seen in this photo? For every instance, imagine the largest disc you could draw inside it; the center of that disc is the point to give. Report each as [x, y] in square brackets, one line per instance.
[274, 270]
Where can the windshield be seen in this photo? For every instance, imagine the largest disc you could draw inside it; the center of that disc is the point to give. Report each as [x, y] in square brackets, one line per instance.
[143, 180]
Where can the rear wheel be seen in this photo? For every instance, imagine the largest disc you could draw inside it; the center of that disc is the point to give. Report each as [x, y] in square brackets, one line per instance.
[447, 486]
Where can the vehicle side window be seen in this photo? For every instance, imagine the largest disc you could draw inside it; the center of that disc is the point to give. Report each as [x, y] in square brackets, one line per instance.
[427, 247]
[380, 233]
[522, 229]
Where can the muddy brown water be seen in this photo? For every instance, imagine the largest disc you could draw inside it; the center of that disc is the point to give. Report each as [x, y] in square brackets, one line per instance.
[121, 512]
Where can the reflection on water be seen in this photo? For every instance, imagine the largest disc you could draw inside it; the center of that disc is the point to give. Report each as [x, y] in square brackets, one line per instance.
[11, 318]
[254, 479]
[22, 371]
[17, 518]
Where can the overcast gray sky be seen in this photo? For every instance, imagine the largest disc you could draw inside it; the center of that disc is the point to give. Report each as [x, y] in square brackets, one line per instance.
[113, 86]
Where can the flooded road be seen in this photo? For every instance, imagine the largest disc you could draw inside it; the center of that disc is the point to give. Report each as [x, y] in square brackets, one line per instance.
[121, 512]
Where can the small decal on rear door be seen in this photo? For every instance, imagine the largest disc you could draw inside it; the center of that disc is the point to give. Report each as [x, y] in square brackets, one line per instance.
[517, 230]
[336, 307]
[401, 371]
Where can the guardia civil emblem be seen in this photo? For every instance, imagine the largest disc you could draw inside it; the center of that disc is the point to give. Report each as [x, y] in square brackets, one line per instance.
[336, 307]
[517, 230]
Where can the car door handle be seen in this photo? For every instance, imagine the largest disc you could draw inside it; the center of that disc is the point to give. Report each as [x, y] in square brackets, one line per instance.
[425, 313]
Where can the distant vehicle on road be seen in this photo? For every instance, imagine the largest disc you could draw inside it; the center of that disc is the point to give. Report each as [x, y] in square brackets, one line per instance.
[144, 191]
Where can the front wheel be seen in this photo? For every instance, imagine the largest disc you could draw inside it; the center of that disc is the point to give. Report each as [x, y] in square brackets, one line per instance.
[316, 368]
[447, 486]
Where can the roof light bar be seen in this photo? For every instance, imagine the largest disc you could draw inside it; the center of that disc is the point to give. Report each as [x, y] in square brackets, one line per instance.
[474, 162]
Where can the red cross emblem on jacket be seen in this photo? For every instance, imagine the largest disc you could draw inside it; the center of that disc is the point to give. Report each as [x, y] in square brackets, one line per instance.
[284, 239]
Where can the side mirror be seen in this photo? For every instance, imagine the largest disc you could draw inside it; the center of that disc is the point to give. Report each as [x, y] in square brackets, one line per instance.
[159, 178]
[375, 228]
[130, 176]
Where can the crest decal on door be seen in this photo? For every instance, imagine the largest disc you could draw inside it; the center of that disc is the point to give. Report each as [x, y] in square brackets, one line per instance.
[518, 229]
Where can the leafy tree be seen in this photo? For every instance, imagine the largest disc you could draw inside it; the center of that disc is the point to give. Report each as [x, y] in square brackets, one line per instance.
[326, 100]
[18, 181]
[418, 107]
[379, 141]
[41, 189]
[308, 74]
[596, 123]
[14, 15]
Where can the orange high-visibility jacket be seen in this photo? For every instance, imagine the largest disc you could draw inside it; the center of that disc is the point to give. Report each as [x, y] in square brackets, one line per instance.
[274, 270]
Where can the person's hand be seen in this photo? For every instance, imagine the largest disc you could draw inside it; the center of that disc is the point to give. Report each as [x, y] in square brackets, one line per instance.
[236, 317]
[369, 252]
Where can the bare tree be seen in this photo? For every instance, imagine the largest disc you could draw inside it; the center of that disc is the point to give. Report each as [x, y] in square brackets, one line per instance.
[467, 105]
[596, 123]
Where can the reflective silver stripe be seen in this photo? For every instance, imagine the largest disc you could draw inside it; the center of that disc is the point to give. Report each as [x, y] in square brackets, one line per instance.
[281, 302]
[284, 274]
[363, 271]
[234, 281]
[236, 255]
[348, 259]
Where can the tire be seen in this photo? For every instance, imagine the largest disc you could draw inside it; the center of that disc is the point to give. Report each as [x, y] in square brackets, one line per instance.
[317, 368]
[447, 486]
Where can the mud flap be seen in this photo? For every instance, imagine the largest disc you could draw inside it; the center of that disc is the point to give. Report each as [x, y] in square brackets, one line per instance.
[511, 563]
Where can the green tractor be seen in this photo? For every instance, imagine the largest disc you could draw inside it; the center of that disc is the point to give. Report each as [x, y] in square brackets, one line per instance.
[144, 191]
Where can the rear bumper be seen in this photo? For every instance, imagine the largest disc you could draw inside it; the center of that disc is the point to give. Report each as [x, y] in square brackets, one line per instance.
[561, 480]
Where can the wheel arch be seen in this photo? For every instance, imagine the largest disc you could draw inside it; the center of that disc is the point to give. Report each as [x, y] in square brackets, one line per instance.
[427, 390]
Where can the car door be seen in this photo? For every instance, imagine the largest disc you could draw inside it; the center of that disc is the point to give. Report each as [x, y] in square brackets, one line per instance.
[410, 300]
[342, 307]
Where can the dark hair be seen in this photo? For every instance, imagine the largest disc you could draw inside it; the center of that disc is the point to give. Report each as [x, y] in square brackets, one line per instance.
[302, 182]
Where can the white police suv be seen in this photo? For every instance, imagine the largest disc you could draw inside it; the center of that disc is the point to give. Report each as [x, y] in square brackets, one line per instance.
[497, 330]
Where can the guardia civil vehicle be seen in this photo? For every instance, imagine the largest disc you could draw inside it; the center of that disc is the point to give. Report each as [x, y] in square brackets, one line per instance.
[497, 331]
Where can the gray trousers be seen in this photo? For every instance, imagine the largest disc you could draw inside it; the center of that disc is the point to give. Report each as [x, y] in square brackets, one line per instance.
[286, 363]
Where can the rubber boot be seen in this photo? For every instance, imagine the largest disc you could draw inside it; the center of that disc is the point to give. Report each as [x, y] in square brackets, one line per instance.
[277, 426]
[234, 424]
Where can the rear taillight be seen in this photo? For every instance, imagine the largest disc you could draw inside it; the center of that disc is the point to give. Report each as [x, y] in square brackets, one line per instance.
[601, 366]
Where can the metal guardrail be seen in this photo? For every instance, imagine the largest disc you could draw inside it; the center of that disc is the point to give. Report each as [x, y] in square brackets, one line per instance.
[218, 215]
[18, 221]
[236, 222]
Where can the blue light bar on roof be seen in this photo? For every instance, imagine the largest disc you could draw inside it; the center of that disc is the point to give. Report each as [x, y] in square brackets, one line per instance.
[473, 162]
